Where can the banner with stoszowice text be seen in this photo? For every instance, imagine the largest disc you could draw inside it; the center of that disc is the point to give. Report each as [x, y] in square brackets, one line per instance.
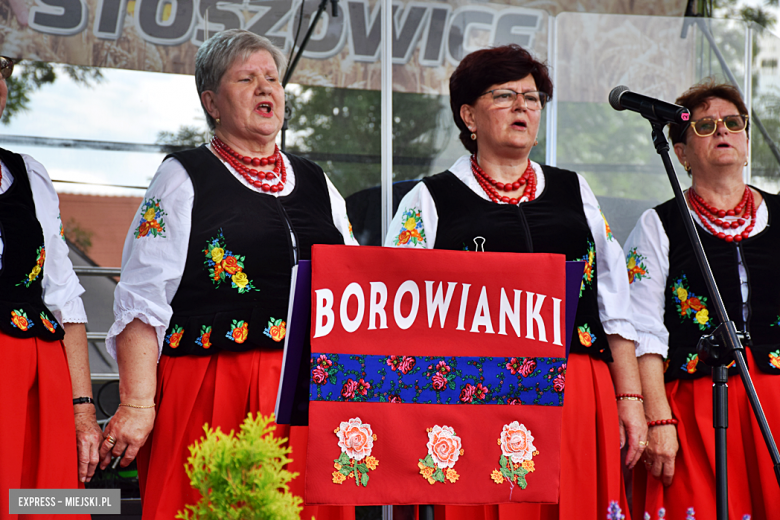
[435, 376]
[429, 38]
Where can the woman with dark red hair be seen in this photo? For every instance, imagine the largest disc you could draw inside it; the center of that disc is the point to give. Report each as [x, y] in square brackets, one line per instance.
[671, 311]
[498, 200]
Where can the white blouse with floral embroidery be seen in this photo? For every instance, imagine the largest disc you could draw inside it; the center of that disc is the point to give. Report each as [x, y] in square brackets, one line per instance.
[155, 248]
[416, 221]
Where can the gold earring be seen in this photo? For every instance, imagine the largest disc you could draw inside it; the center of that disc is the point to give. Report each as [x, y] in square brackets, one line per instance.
[473, 136]
[745, 163]
[686, 166]
[217, 120]
[536, 142]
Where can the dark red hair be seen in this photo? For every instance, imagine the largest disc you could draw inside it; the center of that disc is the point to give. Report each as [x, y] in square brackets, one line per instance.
[486, 67]
[699, 95]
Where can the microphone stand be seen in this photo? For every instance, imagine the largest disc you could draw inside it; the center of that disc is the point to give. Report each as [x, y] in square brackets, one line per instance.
[291, 67]
[718, 348]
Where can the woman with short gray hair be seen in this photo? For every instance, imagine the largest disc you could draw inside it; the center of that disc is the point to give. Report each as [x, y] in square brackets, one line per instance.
[202, 302]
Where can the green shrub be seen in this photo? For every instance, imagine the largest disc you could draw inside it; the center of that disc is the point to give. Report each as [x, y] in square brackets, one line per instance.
[241, 476]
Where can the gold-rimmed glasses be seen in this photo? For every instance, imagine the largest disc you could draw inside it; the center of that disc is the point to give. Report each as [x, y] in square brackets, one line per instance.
[504, 98]
[707, 126]
[6, 67]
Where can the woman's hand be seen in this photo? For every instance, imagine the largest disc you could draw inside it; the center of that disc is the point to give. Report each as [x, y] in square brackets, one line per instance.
[633, 429]
[660, 454]
[88, 439]
[125, 434]
[128, 429]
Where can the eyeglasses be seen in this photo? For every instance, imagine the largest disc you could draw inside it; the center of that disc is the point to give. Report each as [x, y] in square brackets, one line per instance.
[707, 126]
[6, 67]
[504, 98]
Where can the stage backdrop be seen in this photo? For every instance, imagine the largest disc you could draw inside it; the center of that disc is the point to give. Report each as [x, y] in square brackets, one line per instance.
[430, 37]
[436, 377]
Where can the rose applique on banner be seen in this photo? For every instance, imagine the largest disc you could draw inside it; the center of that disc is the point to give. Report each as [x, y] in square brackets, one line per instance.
[517, 453]
[444, 449]
[223, 265]
[356, 441]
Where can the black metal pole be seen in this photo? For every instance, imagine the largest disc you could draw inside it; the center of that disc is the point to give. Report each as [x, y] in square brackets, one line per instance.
[720, 422]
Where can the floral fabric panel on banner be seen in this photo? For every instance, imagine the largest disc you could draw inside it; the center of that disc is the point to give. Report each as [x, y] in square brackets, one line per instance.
[435, 377]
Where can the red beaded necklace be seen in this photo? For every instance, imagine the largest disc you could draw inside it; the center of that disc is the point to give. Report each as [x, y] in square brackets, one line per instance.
[492, 186]
[254, 177]
[714, 215]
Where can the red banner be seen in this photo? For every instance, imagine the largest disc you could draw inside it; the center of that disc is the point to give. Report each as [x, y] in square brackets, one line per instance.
[436, 377]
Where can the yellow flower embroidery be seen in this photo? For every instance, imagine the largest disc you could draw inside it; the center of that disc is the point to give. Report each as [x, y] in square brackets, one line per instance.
[240, 279]
[150, 213]
[452, 475]
[702, 316]
[338, 477]
[216, 254]
[682, 294]
[528, 465]
[371, 462]
[410, 223]
[497, 477]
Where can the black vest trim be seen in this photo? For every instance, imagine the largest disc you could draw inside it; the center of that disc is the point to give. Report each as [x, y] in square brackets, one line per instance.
[22, 311]
[554, 222]
[234, 291]
[687, 313]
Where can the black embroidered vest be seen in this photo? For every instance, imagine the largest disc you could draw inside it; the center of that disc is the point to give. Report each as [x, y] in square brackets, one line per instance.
[554, 222]
[235, 288]
[688, 314]
[22, 311]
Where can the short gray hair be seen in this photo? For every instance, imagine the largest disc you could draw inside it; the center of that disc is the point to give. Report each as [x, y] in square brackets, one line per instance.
[218, 53]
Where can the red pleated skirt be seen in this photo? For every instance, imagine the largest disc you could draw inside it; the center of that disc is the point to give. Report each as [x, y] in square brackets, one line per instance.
[219, 390]
[753, 489]
[38, 432]
[591, 470]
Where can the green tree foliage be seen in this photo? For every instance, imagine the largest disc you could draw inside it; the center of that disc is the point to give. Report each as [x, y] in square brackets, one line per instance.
[241, 477]
[30, 76]
[189, 136]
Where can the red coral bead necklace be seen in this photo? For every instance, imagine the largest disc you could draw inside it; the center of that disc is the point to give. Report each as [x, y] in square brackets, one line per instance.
[254, 177]
[492, 186]
[709, 215]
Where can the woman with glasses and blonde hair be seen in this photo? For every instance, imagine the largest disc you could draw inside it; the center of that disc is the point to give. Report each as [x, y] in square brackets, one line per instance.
[671, 311]
[46, 441]
[497, 199]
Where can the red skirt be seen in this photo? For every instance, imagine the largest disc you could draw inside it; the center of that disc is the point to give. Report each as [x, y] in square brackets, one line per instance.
[219, 390]
[591, 477]
[38, 433]
[752, 485]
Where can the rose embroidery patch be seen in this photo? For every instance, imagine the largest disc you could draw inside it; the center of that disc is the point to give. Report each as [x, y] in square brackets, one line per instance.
[590, 262]
[151, 222]
[204, 340]
[608, 230]
[239, 330]
[20, 320]
[444, 449]
[774, 359]
[689, 305]
[225, 266]
[356, 441]
[174, 338]
[276, 329]
[690, 363]
[636, 267]
[586, 336]
[412, 231]
[51, 326]
[517, 453]
[37, 268]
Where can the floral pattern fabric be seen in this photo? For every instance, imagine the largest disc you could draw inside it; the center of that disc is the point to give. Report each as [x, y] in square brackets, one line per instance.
[637, 270]
[590, 262]
[517, 453]
[20, 320]
[51, 326]
[204, 340]
[586, 336]
[239, 331]
[224, 266]
[444, 449]
[610, 236]
[174, 338]
[276, 329]
[412, 231]
[689, 305]
[37, 268]
[437, 379]
[356, 441]
[152, 221]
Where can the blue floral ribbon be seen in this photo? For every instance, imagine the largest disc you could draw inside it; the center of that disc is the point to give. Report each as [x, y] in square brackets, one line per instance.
[437, 379]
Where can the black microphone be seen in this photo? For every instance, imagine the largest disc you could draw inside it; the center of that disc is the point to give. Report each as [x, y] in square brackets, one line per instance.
[621, 98]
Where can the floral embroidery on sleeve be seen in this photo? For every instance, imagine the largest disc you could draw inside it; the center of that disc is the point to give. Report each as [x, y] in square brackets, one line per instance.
[238, 332]
[517, 453]
[20, 320]
[151, 223]
[352, 236]
[174, 337]
[610, 236]
[444, 448]
[62, 229]
[36, 270]
[276, 329]
[689, 305]
[590, 261]
[411, 228]
[356, 441]
[204, 340]
[224, 265]
[636, 267]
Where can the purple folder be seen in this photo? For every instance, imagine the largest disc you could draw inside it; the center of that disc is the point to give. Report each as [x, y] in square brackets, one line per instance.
[292, 401]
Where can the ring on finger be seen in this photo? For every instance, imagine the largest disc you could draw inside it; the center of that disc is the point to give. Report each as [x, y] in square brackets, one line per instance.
[643, 443]
[111, 439]
[648, 463]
